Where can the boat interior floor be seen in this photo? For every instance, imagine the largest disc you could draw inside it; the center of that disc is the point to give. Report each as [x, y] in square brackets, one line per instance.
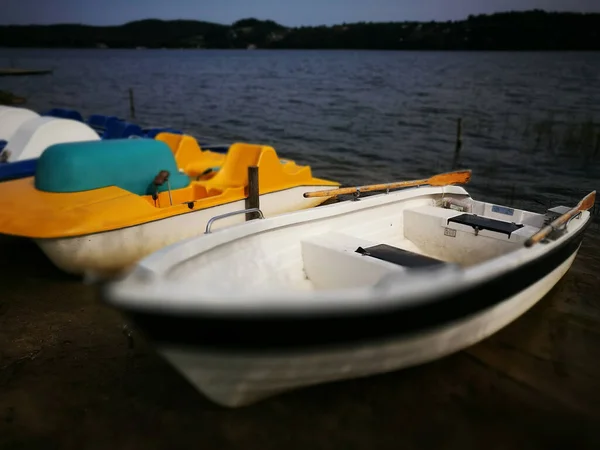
[433, 238]
[360, 248]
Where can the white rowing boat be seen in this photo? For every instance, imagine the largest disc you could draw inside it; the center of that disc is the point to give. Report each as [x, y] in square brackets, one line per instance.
[346, 290]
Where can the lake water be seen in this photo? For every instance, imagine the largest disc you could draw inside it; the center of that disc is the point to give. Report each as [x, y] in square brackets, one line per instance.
[68, 378]
[357, 116]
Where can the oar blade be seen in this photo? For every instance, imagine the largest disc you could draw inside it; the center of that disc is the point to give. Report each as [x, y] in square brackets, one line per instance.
[588, 202]
[445, 179]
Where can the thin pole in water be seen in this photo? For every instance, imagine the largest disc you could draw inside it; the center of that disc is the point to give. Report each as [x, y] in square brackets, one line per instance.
[131, 104]
[458, 147]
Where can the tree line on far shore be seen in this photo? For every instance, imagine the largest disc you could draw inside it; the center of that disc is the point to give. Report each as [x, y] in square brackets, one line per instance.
[529, 30]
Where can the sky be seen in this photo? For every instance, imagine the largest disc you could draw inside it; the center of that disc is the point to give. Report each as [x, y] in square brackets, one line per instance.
[286, 12]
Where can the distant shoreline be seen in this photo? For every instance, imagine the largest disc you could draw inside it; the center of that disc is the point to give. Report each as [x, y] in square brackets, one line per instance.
[309, 50]
[510, 31]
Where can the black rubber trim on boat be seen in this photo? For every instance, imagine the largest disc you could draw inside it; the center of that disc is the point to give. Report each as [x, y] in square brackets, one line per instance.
[485, 223]
[274, 333]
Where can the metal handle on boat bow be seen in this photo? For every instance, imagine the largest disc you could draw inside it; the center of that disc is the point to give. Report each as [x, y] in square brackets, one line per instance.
[586, 203]
[233, 213]
[442, 179]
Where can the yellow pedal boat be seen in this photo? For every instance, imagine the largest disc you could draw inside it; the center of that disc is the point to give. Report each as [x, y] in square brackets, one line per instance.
[97, 207]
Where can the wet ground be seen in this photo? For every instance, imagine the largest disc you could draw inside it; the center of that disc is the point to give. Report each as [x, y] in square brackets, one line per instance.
[69, 380]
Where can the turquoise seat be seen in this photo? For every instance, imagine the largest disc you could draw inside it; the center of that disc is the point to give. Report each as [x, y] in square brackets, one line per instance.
[130, 164]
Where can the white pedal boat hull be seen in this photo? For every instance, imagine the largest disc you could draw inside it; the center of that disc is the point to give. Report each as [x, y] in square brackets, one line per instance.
[268, 326]
[105, 254]
[35, 135]
[11, 118]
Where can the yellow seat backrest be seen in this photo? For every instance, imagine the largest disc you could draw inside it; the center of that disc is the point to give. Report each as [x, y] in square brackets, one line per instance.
[184, 147]
[234, 171]
[188, 154]
[171, 139]
[272, 175]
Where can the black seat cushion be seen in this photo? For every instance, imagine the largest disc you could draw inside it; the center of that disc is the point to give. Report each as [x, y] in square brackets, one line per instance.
[398, 256]
[485, 223]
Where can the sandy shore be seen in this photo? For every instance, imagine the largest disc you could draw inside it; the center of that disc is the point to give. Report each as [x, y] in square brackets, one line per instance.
[68, 379]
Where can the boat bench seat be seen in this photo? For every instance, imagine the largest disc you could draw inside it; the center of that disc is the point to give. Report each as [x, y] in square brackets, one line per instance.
[335, 259]
[429, 222]
[463, 238]
[486, 223]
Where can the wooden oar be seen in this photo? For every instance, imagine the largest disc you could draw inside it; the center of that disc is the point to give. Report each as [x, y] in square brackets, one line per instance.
[443, 179]
[585, 204]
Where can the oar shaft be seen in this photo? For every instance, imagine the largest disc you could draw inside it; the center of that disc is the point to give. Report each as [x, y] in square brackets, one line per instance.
[443, 179]
[368, 188]
[539, 236]
[544, 232]
[585, 204]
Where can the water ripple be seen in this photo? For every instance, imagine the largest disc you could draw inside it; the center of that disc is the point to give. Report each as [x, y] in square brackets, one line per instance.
[355, 116]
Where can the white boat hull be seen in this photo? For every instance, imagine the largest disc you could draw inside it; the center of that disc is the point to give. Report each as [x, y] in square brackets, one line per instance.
[111, 252]
[35, 135]
[11, 118]
[343, 291]
[237, 379]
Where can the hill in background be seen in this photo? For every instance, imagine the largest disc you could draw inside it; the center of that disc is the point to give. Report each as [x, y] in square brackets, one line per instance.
[530, 30]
